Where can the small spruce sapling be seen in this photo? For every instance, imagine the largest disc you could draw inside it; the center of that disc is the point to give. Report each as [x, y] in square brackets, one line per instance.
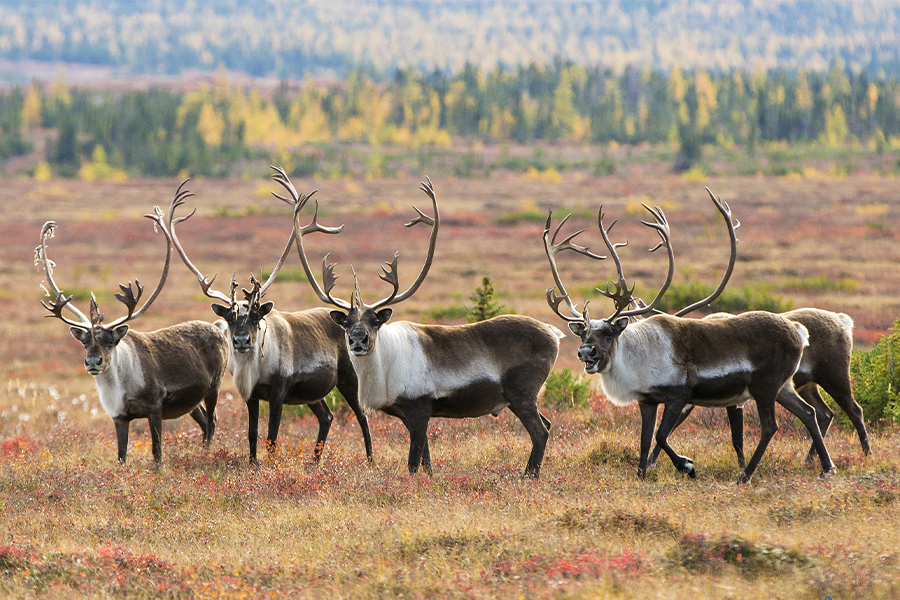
[486, 306]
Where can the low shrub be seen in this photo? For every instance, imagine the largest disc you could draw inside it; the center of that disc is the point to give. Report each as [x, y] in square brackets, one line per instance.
[564, 390]
[696, 552]
[747, 297]
[876, 375]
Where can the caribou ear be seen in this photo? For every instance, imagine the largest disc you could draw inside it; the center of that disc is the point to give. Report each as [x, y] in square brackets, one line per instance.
[266, 308]
[119, 332]
[576, 327]
[383, 315]
[221, 310]
[619, 325]
[79, 334]
[339, 317]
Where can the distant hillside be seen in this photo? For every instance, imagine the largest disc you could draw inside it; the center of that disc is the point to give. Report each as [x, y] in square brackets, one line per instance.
[290, 39]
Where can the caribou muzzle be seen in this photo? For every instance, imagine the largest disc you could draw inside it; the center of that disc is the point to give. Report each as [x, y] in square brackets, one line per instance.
[358, 342]
[588, 354]
[94, 364]
[242, 342]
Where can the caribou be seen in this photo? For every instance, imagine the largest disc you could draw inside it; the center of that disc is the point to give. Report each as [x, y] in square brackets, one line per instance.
[416, 372]
[674, 361]
[280, 357]
[825, 363]
[157, 375]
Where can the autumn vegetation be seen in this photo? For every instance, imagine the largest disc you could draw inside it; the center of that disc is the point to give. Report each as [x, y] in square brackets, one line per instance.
[76, 524]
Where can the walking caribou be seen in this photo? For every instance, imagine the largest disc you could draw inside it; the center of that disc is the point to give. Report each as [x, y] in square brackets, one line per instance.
[157, 375]
[825, 362]
[280, 357]
[674, 361]
[416, 372]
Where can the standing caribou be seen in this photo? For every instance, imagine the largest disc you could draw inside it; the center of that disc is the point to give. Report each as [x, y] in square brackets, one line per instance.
[416, 372]
[158, 375]
[674, 361]
[281, 357]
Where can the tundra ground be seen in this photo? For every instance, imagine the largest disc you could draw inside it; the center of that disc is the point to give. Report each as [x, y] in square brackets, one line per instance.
[74, 523]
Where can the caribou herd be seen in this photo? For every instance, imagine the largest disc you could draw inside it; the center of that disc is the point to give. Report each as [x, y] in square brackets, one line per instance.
[415, 372]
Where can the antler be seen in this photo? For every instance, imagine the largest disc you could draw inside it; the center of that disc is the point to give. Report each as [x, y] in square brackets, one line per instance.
[552, 248]
[389, 274]
[732, 225]
[168, 222]
[128, 296]
[297, 202]
[622, 296]
[388, 270]
[59, 300]
[328, 276]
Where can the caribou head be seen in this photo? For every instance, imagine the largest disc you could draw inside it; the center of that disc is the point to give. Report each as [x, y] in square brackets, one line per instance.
[245, 318]
[599, 337]
[361, 321]
[100, 339]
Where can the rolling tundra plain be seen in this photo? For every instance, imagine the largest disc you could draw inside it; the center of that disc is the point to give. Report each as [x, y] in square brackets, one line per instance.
[75, 523]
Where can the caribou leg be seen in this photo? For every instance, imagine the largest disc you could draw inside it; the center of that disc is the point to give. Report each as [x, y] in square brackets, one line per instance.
[155, 420]
[736, 422]
[685, 412]
[838, 388]
[824, 414]
[253, 427]
[671, 413]
[212, 419]
[199, 417]
[789, 399]
[416, 422]
[537, 427]
[350, 395]
[323, 414]
[122, 437]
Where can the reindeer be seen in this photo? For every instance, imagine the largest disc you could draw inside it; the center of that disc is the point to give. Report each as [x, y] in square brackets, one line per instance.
[157, 375]
[674, 361]
[280, 357]
[825, 362]
[416, 372]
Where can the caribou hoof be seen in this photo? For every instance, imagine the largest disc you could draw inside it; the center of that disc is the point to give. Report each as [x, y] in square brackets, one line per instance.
[689, 469]
[743, 479]
[828, 473]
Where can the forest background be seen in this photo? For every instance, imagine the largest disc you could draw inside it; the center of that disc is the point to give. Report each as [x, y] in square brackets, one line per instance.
[364, 88]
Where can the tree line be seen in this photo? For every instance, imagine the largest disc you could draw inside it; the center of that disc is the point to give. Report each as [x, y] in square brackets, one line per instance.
[295, 38]
[161, 131]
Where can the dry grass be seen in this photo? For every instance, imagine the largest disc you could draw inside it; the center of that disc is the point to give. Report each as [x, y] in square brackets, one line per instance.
[74, 523]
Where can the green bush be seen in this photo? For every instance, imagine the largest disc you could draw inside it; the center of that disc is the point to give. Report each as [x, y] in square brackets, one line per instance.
[486, 306]
[876, 375]
[604, 167]
[823, 283]
[742, 299]
[449, 313]
[564, 390]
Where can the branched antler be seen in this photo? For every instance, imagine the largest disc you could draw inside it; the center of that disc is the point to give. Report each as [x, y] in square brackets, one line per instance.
[623, 296]
[388, 270]
[552, 249]
[732, 224]
[59, 301]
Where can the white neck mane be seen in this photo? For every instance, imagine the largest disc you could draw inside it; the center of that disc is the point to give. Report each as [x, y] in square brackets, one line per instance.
[124, 377]
[387, 371]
